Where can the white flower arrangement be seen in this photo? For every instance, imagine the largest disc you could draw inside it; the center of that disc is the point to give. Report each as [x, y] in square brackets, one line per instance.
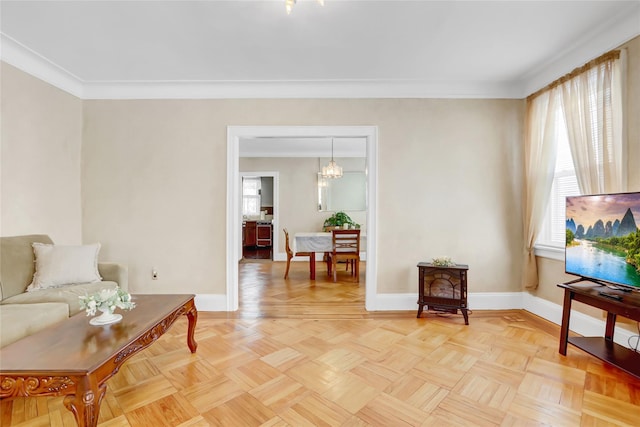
[106, 300]
[443, 261]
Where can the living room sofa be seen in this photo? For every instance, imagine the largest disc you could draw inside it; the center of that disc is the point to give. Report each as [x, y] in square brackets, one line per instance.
[23, 312]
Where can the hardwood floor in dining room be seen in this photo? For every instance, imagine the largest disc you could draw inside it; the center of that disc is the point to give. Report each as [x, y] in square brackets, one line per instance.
[304, 354]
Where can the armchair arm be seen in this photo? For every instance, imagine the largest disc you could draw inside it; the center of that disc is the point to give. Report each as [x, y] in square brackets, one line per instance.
[114, 272]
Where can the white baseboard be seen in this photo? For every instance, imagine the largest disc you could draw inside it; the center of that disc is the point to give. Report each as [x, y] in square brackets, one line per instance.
[494, 300]
[580, 323]
[393, 302]
[211, 302]
[279, 256]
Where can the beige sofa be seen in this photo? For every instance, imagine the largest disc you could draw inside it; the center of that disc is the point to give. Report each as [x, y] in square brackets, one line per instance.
[23, 313]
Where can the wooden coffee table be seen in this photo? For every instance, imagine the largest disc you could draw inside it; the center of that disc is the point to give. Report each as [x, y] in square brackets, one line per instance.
[75, 359]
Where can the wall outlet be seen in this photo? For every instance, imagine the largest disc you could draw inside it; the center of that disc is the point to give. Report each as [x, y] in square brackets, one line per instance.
[154, 274]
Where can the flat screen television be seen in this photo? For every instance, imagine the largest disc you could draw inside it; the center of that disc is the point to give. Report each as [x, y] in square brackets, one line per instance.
[602, 238]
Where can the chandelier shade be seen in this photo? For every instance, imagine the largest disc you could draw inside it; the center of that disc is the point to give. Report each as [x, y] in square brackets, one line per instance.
[288, 4]
[332, 170]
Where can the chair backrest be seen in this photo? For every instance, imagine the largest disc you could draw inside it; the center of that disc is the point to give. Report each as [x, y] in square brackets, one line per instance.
[346, 241]
[286, 239]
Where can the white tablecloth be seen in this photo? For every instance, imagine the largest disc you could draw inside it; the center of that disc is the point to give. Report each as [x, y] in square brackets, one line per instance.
[317, 242]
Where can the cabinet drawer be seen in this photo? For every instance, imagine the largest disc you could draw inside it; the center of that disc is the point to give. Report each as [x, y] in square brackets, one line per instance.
[264, 234]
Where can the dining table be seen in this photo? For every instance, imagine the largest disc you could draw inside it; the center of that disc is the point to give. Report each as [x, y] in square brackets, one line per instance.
[310, 243]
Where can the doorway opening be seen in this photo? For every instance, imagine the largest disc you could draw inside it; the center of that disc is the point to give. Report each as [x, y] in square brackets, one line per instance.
[260, 191]
[235, 134]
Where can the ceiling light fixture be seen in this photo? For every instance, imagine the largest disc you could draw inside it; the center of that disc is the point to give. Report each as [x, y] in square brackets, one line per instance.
[332, 170]
[288, 4]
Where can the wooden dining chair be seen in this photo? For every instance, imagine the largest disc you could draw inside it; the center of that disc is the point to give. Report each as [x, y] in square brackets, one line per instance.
[290, 252]
[346, 247]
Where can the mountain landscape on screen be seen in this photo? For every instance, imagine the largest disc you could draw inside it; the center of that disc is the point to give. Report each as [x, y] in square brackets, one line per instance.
[619, 228]
[602, 238]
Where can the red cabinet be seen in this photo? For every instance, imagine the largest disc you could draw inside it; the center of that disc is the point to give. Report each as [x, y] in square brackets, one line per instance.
[249, 234]
[264, 234]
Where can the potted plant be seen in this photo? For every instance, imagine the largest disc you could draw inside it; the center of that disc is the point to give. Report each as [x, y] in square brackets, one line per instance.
[338, 219]
[106, 301]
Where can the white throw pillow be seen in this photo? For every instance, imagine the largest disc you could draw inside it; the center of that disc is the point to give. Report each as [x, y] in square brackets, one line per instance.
[59, 265]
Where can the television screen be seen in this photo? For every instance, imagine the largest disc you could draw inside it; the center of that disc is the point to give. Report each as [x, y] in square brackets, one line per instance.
[603, 242]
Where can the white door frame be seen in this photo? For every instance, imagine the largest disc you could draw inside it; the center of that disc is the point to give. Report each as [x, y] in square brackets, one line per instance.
[234, 202]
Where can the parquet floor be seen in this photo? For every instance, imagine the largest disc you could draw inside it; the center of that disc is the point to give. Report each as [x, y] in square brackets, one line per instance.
[298, 354]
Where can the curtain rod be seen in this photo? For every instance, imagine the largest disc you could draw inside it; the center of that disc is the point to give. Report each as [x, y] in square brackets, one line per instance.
[611, 55]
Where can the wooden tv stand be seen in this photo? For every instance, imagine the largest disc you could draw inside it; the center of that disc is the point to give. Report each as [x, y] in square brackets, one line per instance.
[602, 347]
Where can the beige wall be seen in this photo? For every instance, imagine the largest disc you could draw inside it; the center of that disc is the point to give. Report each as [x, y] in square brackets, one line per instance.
[154, 184]
[551, 271]
[633, 112]
[151, 182]
[40, 158]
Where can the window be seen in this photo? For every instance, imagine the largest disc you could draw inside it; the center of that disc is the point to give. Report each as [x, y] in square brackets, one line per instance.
[251, 195]
[586, 103]
[565, 183]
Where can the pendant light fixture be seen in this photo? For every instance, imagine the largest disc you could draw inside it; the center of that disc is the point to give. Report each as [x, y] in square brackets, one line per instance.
[332, 170]
[288, 4]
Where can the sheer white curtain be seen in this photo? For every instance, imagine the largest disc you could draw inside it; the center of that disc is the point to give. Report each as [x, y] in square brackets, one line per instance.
[540, 160]
[251, 187]
[590, 99]
[592, 105]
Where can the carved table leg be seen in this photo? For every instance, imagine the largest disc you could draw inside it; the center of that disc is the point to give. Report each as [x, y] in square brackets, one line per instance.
[192, 315]
[85, 404]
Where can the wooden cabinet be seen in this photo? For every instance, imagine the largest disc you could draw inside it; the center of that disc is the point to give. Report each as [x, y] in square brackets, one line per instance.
[250, 233]
[264, 232]
[257, 233]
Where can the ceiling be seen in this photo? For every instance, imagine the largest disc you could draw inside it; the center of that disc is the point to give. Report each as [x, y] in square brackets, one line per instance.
[346, 48]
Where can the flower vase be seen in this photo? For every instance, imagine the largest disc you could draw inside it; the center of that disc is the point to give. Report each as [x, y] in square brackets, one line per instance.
[106, 318]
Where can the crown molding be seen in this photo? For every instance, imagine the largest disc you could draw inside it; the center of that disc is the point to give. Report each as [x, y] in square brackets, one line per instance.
[609, 35]
[298, 89]
[25, 59]
[601, 39]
